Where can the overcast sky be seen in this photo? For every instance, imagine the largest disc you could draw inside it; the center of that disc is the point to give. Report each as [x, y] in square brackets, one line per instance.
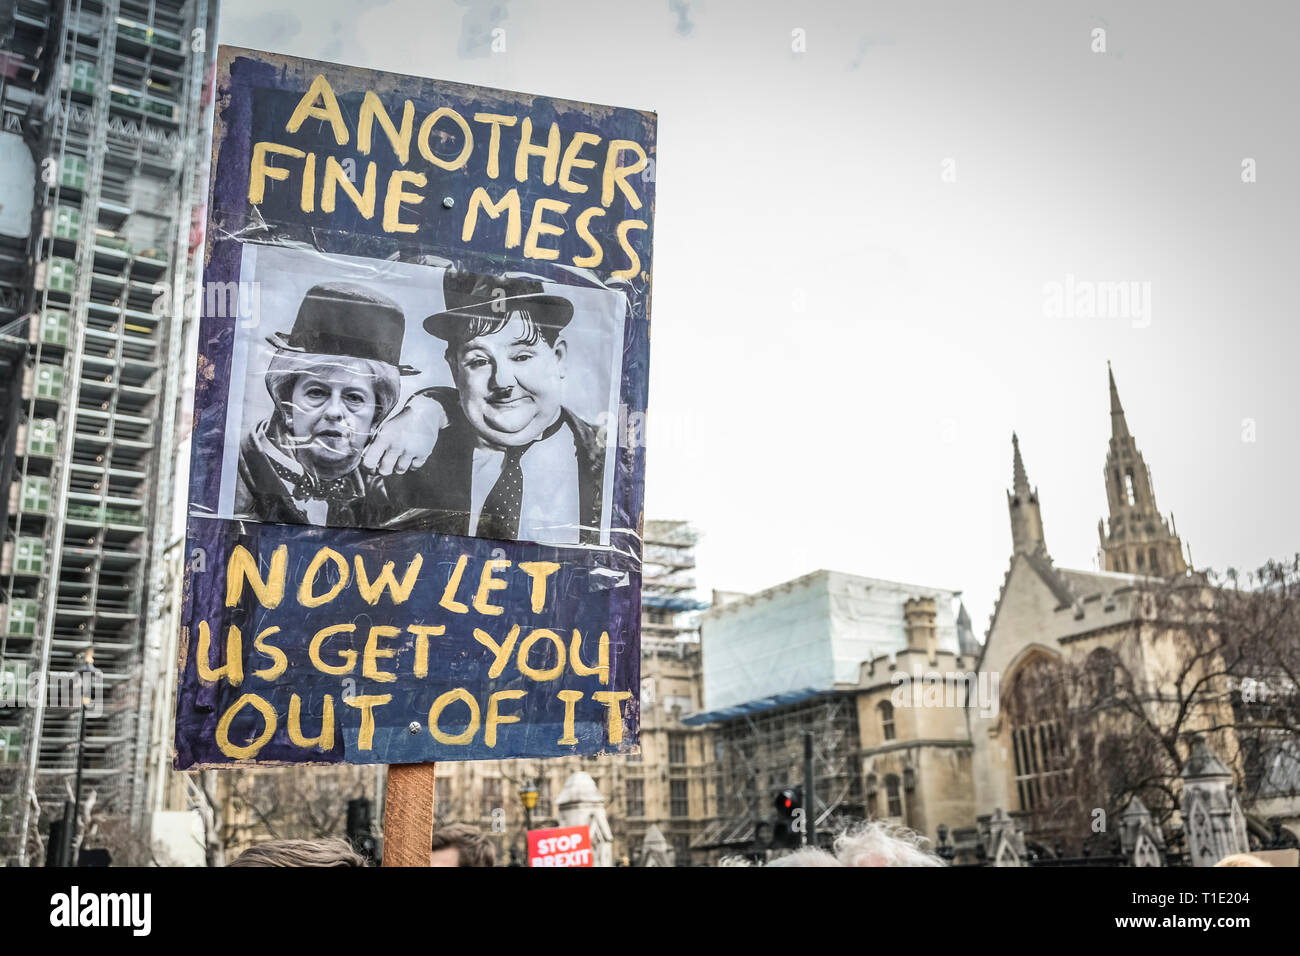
[855, 246]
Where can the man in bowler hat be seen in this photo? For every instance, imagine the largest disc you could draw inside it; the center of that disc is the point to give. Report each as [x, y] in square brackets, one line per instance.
[333, 380]
[510, 461]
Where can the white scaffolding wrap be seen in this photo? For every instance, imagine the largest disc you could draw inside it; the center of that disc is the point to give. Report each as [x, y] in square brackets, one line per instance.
[812, 633]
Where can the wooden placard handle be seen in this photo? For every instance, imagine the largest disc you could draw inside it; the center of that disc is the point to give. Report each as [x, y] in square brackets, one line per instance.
[408, 814]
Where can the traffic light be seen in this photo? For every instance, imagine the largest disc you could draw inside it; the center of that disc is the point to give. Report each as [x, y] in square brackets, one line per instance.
[783, 832]
[358, 828]
[788, 803]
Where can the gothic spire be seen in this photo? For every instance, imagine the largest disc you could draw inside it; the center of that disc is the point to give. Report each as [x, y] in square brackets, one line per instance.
[1019, 479]
[1118, 426]
[1137, 539]
[1022, 502]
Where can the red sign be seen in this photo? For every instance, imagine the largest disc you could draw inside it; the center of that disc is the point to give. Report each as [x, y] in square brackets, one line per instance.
[560, 846]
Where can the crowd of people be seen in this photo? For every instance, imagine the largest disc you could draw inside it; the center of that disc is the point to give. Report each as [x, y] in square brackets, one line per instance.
[874, 843]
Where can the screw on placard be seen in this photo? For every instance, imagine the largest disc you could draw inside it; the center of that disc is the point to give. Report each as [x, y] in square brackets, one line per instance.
[414, 727]
[448, 202]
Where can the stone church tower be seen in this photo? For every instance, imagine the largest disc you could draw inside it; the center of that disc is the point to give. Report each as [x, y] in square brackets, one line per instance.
[1046, 615]
[1138, 539]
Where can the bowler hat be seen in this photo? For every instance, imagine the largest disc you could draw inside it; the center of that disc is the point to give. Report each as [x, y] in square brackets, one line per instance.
[340, 319]
[472, 295]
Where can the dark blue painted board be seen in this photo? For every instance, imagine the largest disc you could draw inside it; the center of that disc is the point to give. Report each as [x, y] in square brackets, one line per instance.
[255, 95]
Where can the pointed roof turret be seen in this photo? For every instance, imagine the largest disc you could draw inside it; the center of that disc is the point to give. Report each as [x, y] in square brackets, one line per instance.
[1202, 761]
[1138, 540]
[1022, 501]
[1118, 425]
[1019, 478]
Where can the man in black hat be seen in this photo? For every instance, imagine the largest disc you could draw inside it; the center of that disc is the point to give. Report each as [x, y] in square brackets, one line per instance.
[333, 380]
[510, 462]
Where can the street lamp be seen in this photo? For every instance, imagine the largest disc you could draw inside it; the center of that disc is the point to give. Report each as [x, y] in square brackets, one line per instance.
[85, 672]
[528, 797]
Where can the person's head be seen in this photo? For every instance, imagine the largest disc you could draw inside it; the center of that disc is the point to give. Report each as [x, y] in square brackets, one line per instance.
[806, 856]
[332, 852]
[1242, 859]
[509, 375]
[877, 843]
[335, 375]
[327, 407]
[507, 353]
[459, 844]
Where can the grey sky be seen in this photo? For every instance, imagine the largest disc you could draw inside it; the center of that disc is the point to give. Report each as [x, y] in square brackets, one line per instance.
[843, 341]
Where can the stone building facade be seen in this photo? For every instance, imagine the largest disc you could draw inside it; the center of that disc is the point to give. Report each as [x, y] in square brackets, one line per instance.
[877, 671]
[926, 734]
[916, 750]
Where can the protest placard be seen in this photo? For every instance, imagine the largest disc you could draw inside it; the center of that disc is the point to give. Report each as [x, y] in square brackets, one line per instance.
[417, 474]
[560, 846]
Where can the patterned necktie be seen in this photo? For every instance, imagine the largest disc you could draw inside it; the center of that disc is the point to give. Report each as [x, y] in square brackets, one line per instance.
[500, 515]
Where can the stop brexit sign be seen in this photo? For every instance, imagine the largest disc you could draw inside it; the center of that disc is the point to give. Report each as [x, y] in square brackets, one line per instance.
[560, 846]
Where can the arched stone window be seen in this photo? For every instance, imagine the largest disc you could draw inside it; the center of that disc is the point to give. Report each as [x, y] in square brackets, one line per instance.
[893, 795]
[886, 719]
[1035, 709]
[1102, 678]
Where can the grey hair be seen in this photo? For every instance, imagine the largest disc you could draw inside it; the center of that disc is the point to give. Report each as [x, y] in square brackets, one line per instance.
[874, 843]
[879, 843]
[287, 367]
[806, 856]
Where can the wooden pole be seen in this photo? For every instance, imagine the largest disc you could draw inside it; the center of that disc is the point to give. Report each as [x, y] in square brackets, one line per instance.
[408, 814]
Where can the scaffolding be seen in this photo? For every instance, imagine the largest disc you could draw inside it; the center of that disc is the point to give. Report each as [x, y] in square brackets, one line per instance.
[109, 94]
[760, 751]
[669, 609]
